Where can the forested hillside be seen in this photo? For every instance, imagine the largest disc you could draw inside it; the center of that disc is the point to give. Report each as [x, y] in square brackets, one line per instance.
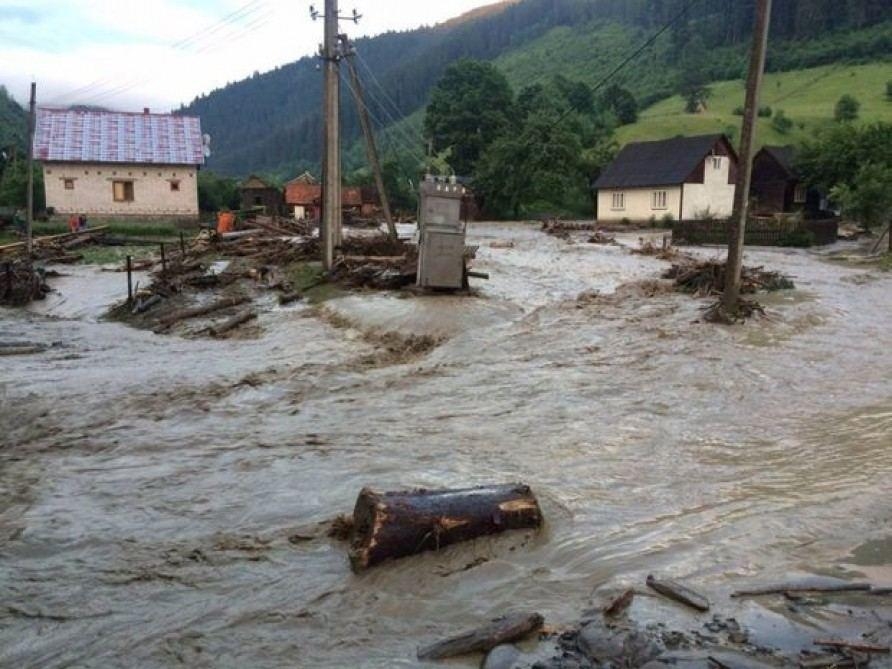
[271, 122]
[13, 123]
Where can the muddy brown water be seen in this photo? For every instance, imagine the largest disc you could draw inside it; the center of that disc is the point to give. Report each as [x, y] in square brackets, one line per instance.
[160, 496]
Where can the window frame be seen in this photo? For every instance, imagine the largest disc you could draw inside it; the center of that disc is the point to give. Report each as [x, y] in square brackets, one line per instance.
[618, 197]
[67, 184]
[659, 200]
[129, 194]
[800, 194]
[174, 185]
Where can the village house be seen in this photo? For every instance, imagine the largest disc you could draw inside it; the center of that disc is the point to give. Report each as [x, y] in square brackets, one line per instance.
[776, 185]
[258, 192]
[119, 164]
[303, 198]
[685, 178]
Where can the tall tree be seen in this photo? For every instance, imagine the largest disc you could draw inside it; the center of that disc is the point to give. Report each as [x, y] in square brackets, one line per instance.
[469, 108]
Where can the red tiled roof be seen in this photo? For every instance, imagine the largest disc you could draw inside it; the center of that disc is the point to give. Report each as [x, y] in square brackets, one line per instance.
[300, 193]
[117, 137]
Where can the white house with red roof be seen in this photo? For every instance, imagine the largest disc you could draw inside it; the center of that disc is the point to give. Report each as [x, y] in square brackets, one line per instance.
[119, 164]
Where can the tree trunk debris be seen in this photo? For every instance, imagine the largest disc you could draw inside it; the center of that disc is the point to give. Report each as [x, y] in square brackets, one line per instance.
[232, 323]
[392, 525]
[620, 604]
[501, 630]
[184, 314]
[678, 592]
[784, 588]
[861, 646]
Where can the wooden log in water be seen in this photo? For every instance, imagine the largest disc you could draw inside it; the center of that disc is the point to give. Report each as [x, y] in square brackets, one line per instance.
[184, 314]
[142, 306]
[502, 630]
[232, 323]
[396, 524]
[860, 646]
[619, 604]
[678, 592]
[802, 587]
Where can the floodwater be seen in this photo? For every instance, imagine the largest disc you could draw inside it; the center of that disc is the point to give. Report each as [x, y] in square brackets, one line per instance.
[160, 498]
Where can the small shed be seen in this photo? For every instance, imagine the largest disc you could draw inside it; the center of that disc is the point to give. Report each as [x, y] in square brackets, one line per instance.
[258, 192]
[777, 187]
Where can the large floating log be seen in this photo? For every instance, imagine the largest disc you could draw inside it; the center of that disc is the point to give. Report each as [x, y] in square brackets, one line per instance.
[861, 646]
[396, 524]
[678, 592]
[502, 630]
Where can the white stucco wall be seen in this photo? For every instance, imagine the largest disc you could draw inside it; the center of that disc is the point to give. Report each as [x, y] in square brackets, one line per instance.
[93, 192]
[715, 194]
[638, 204]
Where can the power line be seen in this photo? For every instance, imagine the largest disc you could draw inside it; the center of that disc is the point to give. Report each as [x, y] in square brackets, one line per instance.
[398, 112]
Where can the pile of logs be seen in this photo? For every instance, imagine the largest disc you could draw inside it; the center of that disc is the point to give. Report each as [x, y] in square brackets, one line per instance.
[57, 249]
[21, 283]
[707, 277]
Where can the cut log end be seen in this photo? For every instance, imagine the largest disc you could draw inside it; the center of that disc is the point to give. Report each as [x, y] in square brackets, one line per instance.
[397, 524]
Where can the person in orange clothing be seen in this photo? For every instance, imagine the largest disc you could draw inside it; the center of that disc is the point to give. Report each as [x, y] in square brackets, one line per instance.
[73, 223]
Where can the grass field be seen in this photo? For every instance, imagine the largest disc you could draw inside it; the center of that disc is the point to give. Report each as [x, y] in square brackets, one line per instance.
[807, 97]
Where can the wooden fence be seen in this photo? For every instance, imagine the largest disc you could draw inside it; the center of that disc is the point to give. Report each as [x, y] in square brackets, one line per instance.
[759, 232]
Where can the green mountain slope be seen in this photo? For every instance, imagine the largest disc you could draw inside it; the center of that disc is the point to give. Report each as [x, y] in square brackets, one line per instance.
[272, 123]
[807, 97]
[13, 123]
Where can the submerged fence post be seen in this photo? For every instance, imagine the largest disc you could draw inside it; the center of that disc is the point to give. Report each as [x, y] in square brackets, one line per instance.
[129, 279]
[182, 244]
[163, 261]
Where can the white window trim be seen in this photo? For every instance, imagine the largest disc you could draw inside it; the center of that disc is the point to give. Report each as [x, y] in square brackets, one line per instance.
[800, 194]
[621, 197]
[659, 200]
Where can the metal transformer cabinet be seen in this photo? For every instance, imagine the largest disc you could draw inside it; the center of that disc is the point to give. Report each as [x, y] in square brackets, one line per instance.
[441, 244]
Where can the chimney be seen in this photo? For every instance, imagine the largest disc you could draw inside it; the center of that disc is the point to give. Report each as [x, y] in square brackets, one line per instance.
[145, 110]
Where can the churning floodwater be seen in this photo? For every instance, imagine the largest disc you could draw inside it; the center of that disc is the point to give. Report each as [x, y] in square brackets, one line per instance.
[161, 498]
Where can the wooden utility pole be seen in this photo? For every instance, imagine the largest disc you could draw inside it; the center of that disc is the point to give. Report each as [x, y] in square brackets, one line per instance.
[370, 146]
[32, 122]
[331, 158]
[745, 165]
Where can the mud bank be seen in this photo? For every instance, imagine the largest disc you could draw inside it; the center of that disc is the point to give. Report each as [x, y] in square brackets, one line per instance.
[155, 489]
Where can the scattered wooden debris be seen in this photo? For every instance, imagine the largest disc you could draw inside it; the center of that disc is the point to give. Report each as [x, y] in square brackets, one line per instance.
[601, 238]
[620, 604]
[664, 251]
[501, 630]
[232, 323]
[184, 314]
[24, 349]
[861, 646]
[21, 283]
[555, 226]
[678, 592]
[397, 524]
[784, 588]
[707, 277]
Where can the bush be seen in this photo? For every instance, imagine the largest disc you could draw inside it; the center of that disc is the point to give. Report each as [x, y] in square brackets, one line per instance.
[738, 111]
[846, 109]
[889, 90]
[781, 123]
[668, 219]
[765, 112]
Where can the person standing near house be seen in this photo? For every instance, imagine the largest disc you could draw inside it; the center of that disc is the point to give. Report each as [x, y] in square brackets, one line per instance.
[82, 222]
[73, 223]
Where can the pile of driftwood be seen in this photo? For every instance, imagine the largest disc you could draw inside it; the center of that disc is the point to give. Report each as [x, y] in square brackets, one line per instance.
[57, 249]
[663, 251]
[703, 278]
[21, 283]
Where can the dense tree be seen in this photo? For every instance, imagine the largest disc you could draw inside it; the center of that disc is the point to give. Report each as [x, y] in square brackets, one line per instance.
[217, 192]
[868, 199]
[469, 108]
[781, 123]
[622, 103]
[846, 109]
[834, 157]
[14, 186]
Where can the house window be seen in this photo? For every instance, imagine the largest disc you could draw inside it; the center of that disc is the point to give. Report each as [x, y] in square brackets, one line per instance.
[716, 162]
[175, 186]
[658, 200]
[800, 194]
[122, 191]
[69, 184]
[619, 201]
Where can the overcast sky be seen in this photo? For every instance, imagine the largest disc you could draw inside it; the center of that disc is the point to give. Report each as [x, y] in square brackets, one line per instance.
[130, 54]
